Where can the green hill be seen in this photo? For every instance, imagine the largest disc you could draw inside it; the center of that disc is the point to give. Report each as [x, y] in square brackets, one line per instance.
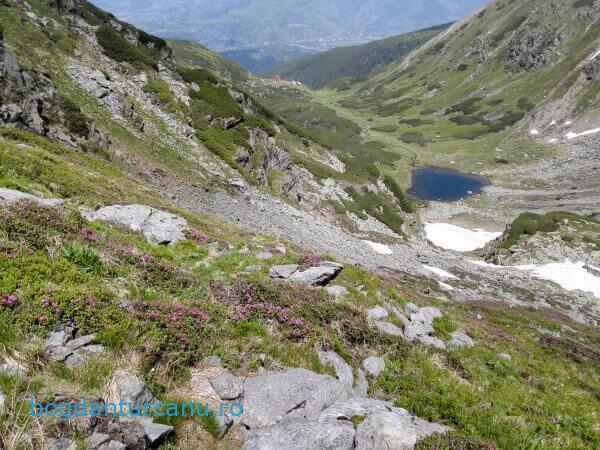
[352, 61]
[190, 54]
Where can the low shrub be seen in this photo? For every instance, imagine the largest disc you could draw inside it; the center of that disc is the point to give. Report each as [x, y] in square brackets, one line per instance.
[527, 224]
[414, 137]
[76, 121]
[120, 49]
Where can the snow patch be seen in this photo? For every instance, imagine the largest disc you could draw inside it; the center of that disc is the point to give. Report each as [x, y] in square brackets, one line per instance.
[570, 276]
[379, 248]
[572, 135]
[552, 141]
[452, 237]
[534, 132]
[446, 286]
[595, 54]
[441, 272]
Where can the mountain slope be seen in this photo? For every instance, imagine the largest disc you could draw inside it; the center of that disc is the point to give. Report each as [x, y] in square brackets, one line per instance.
[162, 240]
[189, 54]
[283, 28]
[319, 70]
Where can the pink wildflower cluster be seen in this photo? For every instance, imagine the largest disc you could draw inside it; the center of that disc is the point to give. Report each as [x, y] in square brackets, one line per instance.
[88, 234]
[52, 305]
[253, 306]
[198, 236]
[170, 316]
[311, 260]
[9, 300]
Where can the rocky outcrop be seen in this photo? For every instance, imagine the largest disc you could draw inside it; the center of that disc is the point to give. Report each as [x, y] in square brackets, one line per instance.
[536, 50]
[300, 409]
[592, 68]
[420, 327]
[303, 435]
[23, 95]
[157, 226]
[460, 339]
[313, 276]
[59, 346]
[10, 195]
[373, 366]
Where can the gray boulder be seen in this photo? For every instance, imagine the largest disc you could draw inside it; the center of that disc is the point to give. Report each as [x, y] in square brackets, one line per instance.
[2, 402]
[227, 386]
[63, 443]
[505, 356]
[342, 370]
[294, 394]
[264, 256]
[460, 339]
[302, 435]
[155, 433]
[361, 385]
[317, 276]
[337, 292]
[54, 347]
[158, 227]
[388, 328]
[373, 366]
[80, 342]
[133, 390]
[10, 196]
[386, 430]
[376, 313]
[283, 272]
[96, 440]
[433, 342]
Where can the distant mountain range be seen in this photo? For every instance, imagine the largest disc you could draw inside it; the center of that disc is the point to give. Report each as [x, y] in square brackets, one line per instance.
[352, 61]
[262, 33]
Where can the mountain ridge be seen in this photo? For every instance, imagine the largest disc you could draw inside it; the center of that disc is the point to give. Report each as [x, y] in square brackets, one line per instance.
[319, 70]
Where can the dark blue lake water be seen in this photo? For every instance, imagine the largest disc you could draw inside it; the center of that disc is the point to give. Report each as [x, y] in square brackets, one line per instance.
[434, 183]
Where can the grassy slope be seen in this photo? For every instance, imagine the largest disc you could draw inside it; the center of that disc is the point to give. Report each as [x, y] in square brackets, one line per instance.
[353, 61]
[190, 54]
[51, 260]
[547, 395]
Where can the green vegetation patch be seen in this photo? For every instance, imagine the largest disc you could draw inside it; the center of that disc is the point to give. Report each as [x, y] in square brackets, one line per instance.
[120, 49]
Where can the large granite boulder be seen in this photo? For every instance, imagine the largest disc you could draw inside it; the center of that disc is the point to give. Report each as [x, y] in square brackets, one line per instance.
[313, 276]
[294, 394]
[157, 226]
[302, 435]
[10, 196]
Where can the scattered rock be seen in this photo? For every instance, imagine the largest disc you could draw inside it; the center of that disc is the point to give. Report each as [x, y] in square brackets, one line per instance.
[303, 435]
[253, 268]
[386, 430]
[54, 346]
[80, 342]
[317, 276]
[155, 433]
[361, 385]
[63, 443]
[337, 292]
[10, 196]
[460, 339]
[505, 356]
[94, 441]
[158, 227]
[227, 386]
[373, 366]
[133, 390]
[342, 370]
[2, 402]
[411, 308]
[230, 122]
[264, 256]
[211, 361]
[376, 313]
[388, 328]
[283, 272]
